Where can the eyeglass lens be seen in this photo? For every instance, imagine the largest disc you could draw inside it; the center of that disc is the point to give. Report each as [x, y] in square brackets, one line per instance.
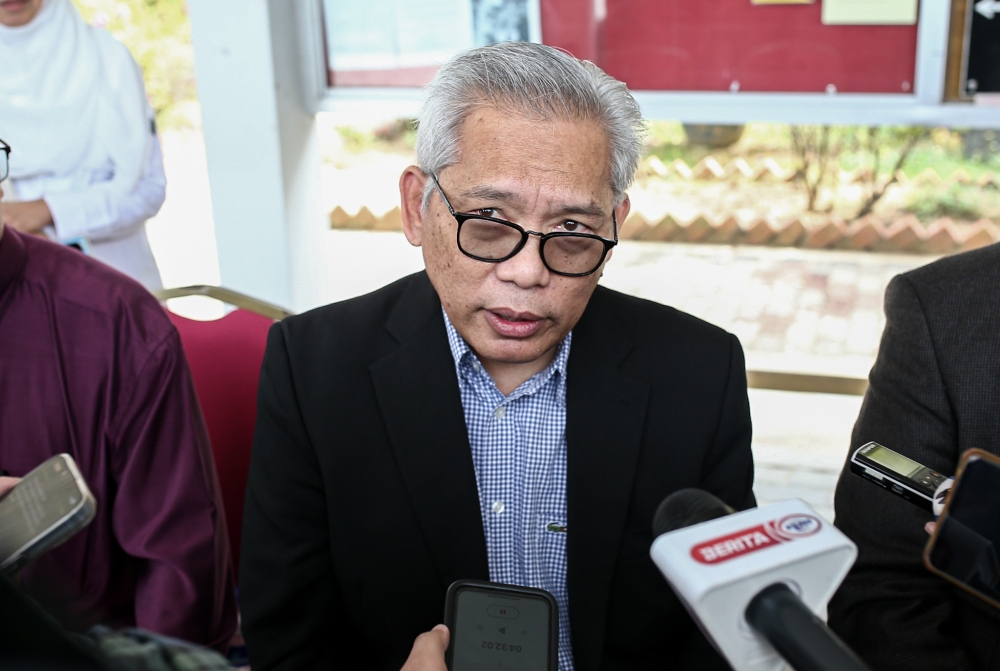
[489, 240]
[4, 164]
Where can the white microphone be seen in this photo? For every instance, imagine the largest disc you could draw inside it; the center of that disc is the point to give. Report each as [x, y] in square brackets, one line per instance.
[757, 582]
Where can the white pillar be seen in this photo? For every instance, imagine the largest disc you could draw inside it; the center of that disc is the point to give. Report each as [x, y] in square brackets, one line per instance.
[262, 149]
[932, 51]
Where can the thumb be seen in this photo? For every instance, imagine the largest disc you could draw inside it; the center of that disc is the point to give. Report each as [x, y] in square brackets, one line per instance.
[438, 638]
[7, 484]
[428, 651]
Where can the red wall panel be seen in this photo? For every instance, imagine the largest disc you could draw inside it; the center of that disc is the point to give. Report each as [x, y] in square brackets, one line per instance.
[706, 46]
[712, 45]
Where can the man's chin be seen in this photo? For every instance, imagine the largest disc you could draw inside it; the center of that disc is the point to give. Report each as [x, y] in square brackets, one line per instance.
[521, 352]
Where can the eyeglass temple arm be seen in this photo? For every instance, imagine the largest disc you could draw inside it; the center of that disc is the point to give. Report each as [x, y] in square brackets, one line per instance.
[441, 191]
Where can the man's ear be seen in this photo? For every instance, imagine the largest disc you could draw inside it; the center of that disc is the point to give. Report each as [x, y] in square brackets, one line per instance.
[411, 198]
[621, 213]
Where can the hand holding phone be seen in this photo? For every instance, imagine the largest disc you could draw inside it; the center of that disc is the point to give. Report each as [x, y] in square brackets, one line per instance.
[964, 546]
[44, 509]
[501, 627]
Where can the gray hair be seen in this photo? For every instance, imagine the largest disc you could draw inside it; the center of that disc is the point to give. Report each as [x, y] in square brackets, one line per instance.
[534, 80]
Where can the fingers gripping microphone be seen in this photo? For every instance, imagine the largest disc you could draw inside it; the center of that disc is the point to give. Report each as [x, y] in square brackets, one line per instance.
[758, 581]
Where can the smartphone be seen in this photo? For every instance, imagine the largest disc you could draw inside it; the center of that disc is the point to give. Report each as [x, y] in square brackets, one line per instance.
[963, 548]
[48, 506]
[501, 627]
[901, 475]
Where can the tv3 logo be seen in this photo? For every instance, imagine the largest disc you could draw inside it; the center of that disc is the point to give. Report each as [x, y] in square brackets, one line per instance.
[740, 543]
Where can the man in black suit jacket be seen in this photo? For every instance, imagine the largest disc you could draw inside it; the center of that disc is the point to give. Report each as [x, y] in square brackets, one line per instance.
[363, 503]
[935, 392]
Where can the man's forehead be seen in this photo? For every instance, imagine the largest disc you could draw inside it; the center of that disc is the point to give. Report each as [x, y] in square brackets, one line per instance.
[495, 193]
[514, 158]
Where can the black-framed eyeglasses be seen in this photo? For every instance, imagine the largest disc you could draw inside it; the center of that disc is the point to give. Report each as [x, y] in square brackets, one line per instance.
[4, 160]
[495, 240]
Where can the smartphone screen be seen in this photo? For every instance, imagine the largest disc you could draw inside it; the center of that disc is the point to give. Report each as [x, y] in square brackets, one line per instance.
[502, 631]
[43, 500]
[894, 461]
[964, 548]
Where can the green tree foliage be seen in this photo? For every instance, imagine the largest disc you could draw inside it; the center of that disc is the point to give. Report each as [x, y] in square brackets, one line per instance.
[158, 33]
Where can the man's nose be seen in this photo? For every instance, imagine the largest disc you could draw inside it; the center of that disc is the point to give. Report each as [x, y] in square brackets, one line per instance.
[525, 269]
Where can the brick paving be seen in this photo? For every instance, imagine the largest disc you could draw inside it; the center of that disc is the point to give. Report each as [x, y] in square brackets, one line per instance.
[792, 309]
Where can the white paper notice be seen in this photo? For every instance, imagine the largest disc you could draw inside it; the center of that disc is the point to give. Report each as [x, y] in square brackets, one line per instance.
[388, 34]
[870, 12]
[506, 21]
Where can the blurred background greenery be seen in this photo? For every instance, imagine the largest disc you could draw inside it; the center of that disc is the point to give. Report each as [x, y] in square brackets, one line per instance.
[158, 33]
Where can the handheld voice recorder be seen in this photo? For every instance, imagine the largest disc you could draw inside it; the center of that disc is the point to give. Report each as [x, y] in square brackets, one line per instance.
[498, 627]
[900, 475]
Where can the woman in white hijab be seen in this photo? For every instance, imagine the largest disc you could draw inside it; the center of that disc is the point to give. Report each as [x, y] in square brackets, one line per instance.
[85, 160]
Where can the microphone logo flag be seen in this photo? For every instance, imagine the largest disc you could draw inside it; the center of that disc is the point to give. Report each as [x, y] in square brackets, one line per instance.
[745, 541]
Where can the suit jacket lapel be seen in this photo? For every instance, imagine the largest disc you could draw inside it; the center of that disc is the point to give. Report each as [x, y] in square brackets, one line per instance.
[605, 416]
[417, 391]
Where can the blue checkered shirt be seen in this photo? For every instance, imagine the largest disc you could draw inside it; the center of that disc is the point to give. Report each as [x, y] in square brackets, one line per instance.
[519, 453]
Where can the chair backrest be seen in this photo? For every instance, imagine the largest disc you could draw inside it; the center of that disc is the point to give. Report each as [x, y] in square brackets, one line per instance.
[225, 357]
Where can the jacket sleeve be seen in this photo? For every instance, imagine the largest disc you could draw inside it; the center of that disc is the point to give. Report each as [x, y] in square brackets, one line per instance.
[290, 605]
[890, 609]
[728, 469]
[167, 507]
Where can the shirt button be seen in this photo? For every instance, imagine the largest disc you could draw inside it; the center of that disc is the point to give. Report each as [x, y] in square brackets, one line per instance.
[475, 366]
[498, 507]
[500, 412]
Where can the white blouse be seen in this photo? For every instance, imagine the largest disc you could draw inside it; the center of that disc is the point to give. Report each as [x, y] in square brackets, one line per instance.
[73, 108]
[114, 225]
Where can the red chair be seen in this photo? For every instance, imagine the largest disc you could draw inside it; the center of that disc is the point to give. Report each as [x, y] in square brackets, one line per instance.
[225, 356]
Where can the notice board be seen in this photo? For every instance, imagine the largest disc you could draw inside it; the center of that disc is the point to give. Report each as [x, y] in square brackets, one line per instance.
[655, 45]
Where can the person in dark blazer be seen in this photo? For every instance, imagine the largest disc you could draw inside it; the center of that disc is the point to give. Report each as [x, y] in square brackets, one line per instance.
[498, 416]
[934, 393]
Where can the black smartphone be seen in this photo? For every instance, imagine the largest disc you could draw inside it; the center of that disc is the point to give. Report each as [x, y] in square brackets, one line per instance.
[501, 627]
[964, 546]
[901, 475]
[48, 506]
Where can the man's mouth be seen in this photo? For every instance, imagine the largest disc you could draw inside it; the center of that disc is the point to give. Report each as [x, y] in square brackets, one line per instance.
[13, 5]
[512, 324]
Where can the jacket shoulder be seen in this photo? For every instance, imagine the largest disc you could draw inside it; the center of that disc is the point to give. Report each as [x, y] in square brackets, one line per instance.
[968, 271]
[649, 322]
[349, 325]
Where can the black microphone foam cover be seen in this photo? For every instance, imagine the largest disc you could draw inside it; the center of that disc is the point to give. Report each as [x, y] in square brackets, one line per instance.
[687, 507]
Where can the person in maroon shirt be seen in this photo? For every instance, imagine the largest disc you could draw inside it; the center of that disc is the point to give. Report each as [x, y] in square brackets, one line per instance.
[91, 365]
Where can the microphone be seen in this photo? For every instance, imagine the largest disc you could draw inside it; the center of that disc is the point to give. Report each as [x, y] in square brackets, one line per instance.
[756, 582]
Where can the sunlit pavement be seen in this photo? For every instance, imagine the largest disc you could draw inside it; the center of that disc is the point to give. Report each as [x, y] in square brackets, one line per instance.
[793, 310]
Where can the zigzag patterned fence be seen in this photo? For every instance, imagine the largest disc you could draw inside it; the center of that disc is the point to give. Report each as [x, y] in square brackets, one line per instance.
[905, 234]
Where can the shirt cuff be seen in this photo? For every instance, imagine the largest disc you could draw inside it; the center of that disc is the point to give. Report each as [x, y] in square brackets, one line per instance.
[73, 213]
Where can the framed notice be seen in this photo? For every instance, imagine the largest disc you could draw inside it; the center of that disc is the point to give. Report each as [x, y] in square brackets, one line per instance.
[402, 42]
[722, 62]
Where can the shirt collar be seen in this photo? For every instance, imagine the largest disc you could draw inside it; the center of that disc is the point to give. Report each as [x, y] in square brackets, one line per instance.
[463, 354]
[13, 258]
